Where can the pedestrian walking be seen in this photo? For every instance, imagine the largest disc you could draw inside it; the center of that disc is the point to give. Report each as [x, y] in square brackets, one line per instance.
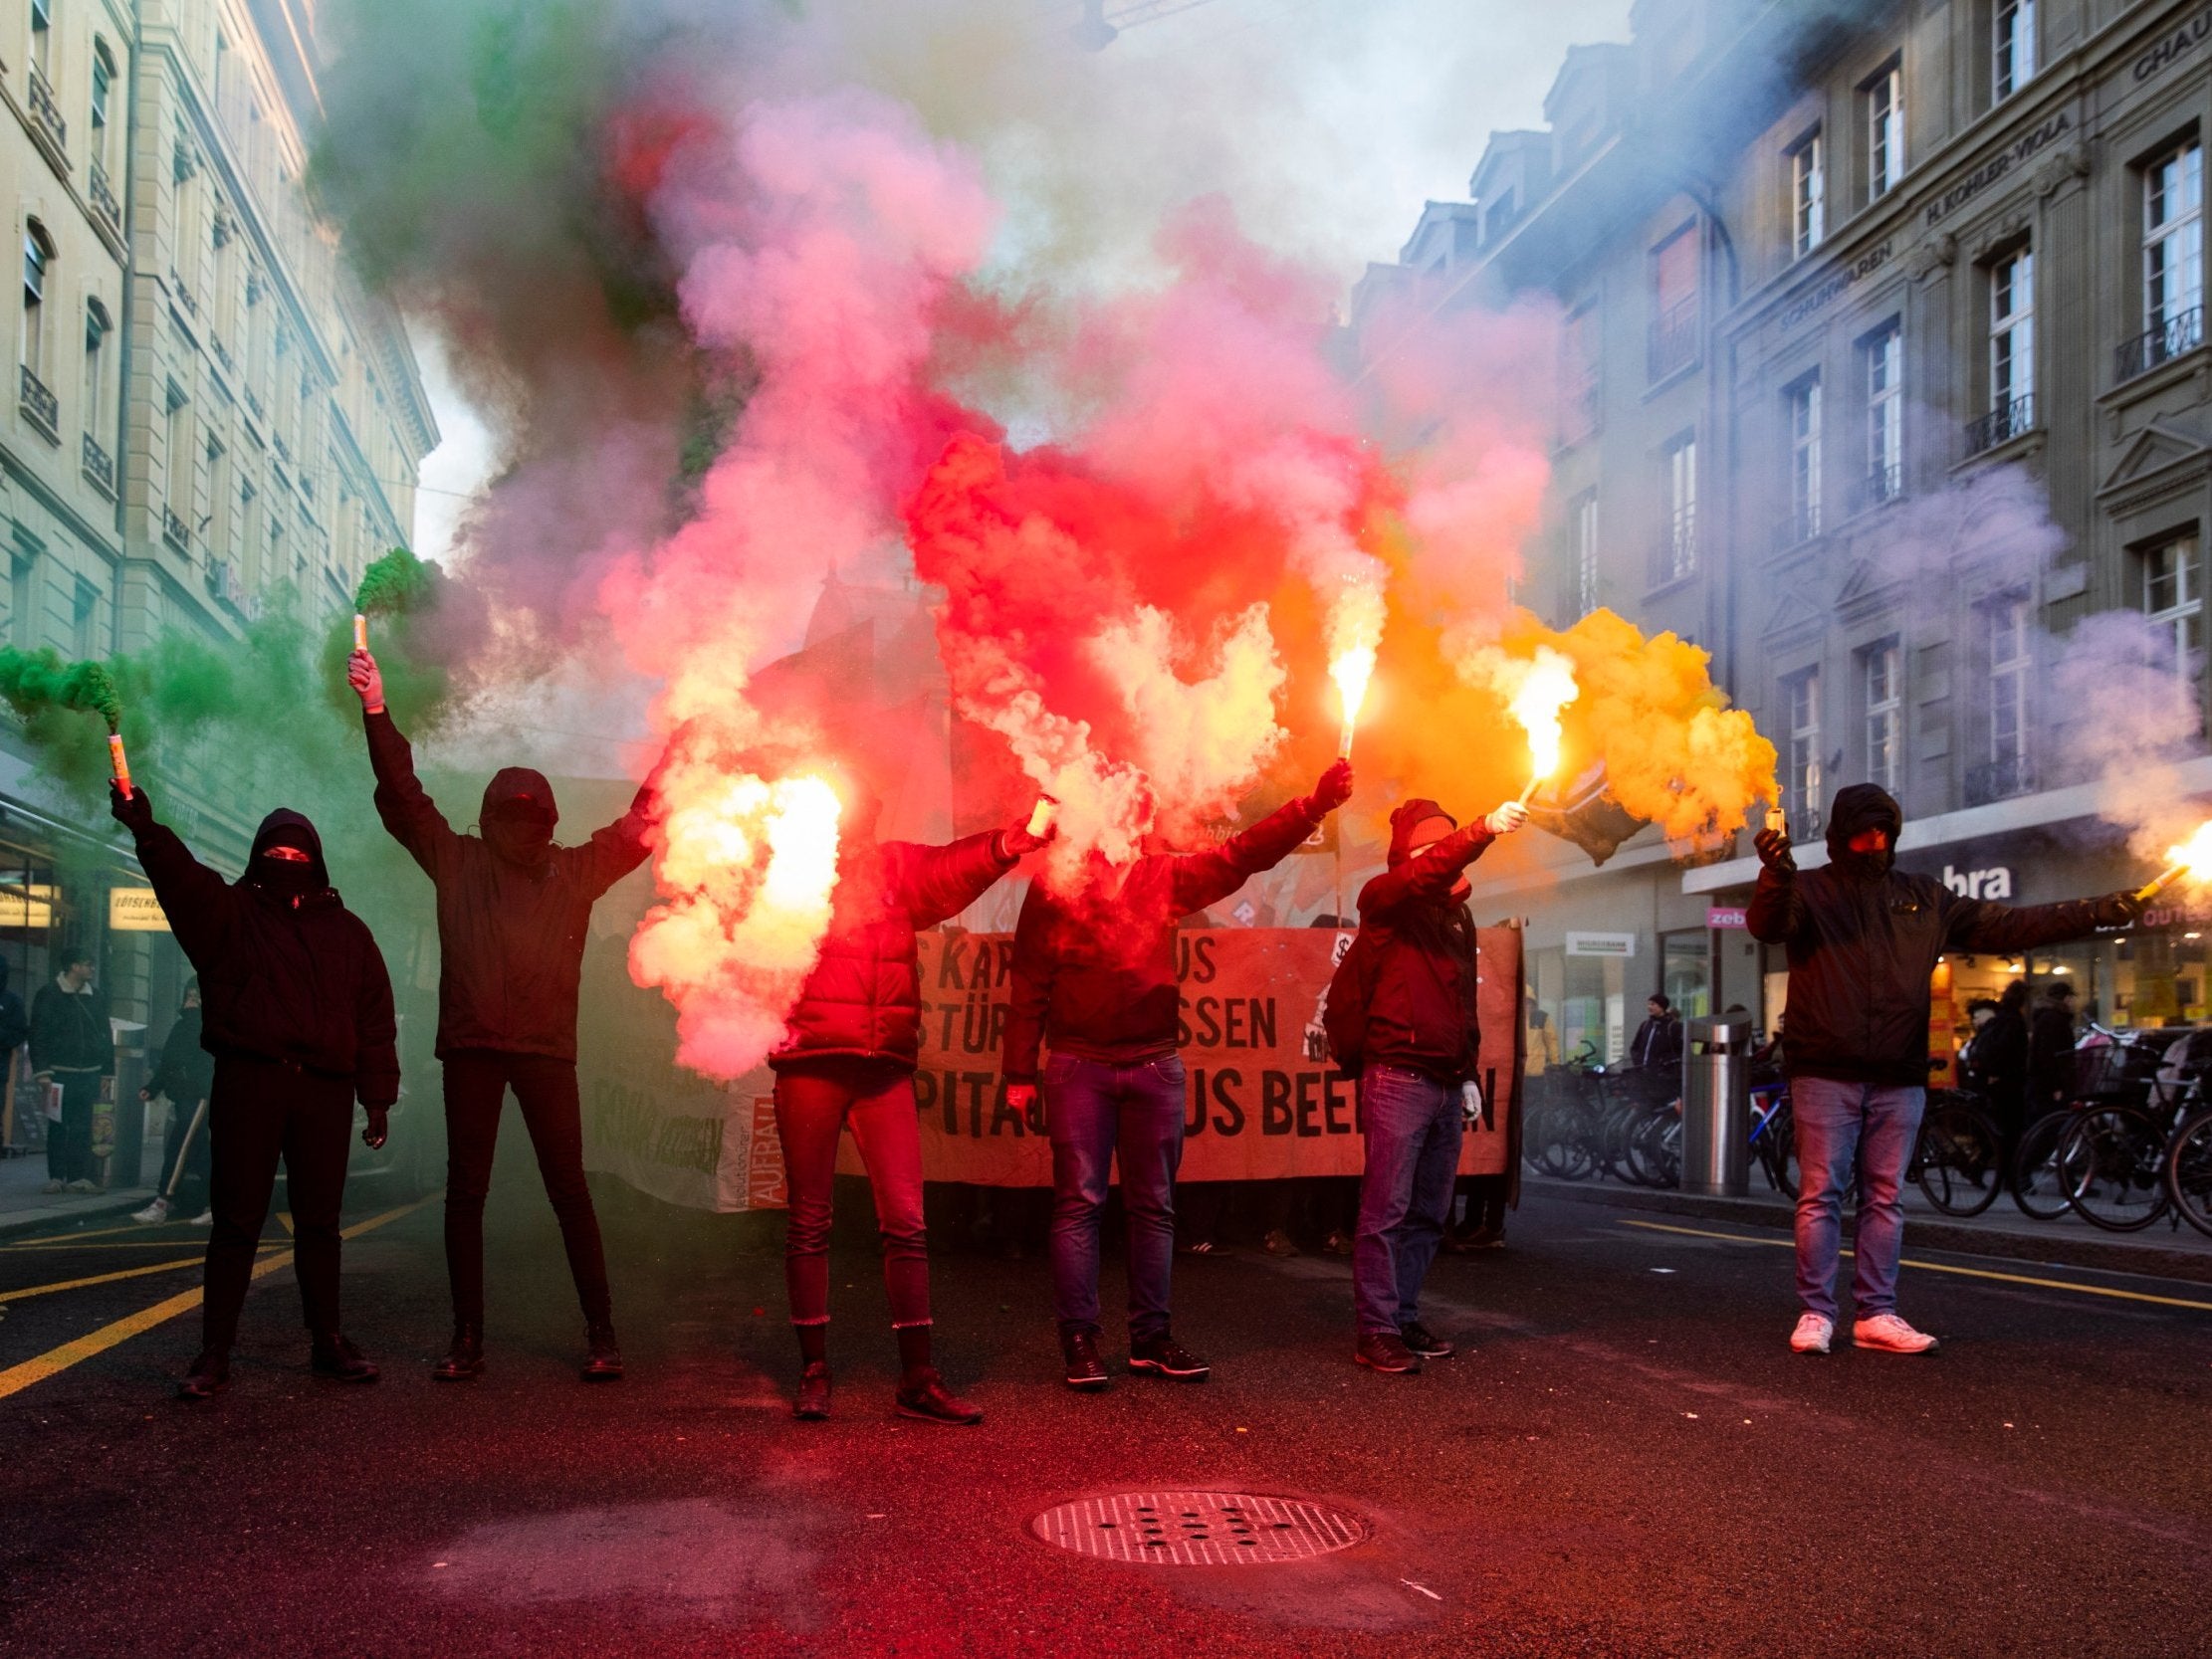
[72, 1058]
[183, 1078]
[1402, 1017]
[299, 1019]
[1864, 938]
[514, 912]
[1999, 1061]
[847, 1061]
[2051, 1067]
[1094, 978]
[1659, 1040]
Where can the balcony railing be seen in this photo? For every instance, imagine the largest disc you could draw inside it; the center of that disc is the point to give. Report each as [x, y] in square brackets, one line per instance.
[2181, 332]
[175, 532]
[2009, 420]
[39, 406]
[104, 197]
[1674, 341]
[1675, 555]
[1999, 780]
[100, 468]
[1880, 486]
[1800, 524]
[46, 112]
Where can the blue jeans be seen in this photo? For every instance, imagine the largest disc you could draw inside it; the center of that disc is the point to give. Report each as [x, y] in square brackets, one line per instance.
[1413, 1126]
[1093, 1110]
[1880, 1123]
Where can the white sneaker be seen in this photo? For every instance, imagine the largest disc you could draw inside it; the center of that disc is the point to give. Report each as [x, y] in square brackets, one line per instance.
[153, 1213]
[1890, 1334]
[1812, 1334]
[206, 1218]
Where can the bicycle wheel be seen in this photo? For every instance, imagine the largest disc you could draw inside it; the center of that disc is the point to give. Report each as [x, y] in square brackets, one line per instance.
[2188, 1172]
[2036, 1185]
[1959, 1163]
[1558, 1140]
[1654, 1150]
[2112, 1165]
[1777, 1147]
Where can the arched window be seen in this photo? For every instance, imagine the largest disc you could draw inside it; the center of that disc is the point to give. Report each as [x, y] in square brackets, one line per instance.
[98, 326]
[38, 260]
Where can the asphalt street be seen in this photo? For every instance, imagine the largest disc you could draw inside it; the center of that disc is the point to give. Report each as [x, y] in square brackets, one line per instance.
[1629, 1461]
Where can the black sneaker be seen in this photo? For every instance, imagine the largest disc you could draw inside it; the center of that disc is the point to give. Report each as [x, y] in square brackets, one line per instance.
[1380, 1350]
[209, 1376]
[604, 1359]
[1163, 1356]
[1423, 1342]
[339, 1360]
[464, 1361]
[813, 1403]
[1086, 1373]
[923, 1394]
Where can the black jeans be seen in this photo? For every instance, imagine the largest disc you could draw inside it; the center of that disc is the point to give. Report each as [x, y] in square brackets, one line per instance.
[259, 1111]
[69, 1143]
[476, 1085]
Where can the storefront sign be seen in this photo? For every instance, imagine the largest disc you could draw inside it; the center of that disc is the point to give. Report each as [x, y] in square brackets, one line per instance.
[1817, 300]
[1726, 916]
[1997, 166]
[1993, 883]
[2175, 45]
[1263, 1100]
[27, 907]
[134, 910]
[1622, 946]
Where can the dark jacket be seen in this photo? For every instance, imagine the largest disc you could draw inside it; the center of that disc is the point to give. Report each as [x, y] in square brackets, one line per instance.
[1659, 1043]
[291, 978]
[510, 930]
[1864, 938]
[71, 1032]
[15, 1022]
[1998, 1059]
[1094, 974]
[1421, 1010]
[864, 998]
[188, 1070]
[2051, 1056]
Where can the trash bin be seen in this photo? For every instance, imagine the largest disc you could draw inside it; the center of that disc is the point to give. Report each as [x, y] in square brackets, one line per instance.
[1716, 1108]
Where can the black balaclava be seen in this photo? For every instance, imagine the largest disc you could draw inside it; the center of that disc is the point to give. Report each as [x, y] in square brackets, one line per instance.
[518, 816]
[1858, 807]
[1410, 816]
[287, 878]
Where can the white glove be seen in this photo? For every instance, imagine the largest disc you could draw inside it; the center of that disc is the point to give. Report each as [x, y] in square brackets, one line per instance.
[1506, 819]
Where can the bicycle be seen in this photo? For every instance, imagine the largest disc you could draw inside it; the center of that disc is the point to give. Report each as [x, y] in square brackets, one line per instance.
[2112, 1162]
[1958, 1160]
[1774, 1133]
[2188, 1171]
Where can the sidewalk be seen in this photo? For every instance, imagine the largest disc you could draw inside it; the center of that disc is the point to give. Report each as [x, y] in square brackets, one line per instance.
[2162, 1249]
[23, 1208]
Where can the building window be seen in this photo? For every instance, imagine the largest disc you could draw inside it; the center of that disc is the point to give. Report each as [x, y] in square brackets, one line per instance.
[1586, 552]
[221, 515]
[2173, 260]
[1881, 354]
[1808, 193]
[2173, 599]
[104, 84]
[1804, 521]
[2007, 639]
[1674, 341]
[1883, 101]
[2013, 54]
[84, 622]
[1801, 697]
[2012, 353]
[38, 259]
[98, 326]
[1677, 551]
[176, 434]
[1582, 376]
[1881, 666]
[1497, 218]
[41, 39]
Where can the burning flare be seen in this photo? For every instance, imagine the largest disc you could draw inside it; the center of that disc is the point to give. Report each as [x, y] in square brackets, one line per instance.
[1535, 689]
[2187, 862]
[1350, 672]
[748, 868]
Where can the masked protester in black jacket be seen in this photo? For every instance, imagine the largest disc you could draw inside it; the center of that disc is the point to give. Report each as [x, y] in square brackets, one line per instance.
[297, 1014]
[1864, 938]
[514, 912]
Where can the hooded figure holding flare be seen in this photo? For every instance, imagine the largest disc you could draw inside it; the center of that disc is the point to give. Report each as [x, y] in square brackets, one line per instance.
[1864, 938]
[513, 912]
[297, 1014]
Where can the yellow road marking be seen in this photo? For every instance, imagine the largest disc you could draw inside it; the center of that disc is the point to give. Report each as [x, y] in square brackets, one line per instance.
[1947, 1267]
[140, 1244]
[7, 1296]
[18, 1378]
[284, 1220]
[92, 1232]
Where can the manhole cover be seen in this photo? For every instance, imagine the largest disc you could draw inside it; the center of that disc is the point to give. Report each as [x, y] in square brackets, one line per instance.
[1199, 1529]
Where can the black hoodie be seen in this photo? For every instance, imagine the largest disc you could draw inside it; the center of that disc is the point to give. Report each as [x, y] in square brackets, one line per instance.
[1864, 938]
[514, 910]
[292, 976]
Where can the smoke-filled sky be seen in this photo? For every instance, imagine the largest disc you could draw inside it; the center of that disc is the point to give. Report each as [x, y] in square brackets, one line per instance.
[1332, 121]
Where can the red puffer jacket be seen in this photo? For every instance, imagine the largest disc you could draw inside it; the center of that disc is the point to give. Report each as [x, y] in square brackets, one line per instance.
[864, 998]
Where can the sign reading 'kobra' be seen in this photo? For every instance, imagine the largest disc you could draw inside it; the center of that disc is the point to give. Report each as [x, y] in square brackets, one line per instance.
[1261, 1099]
